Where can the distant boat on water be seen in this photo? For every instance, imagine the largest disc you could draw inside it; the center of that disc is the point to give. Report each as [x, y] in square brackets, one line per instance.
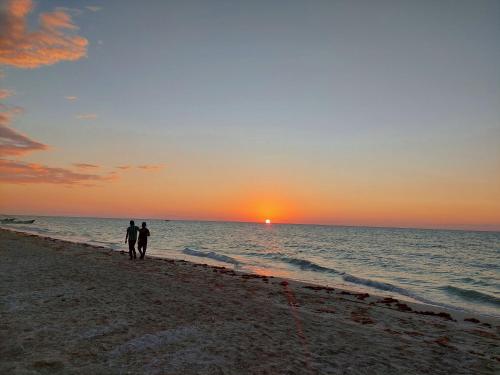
[14, 221]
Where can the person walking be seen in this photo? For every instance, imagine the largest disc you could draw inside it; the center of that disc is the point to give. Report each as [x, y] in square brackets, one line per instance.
[142, 243]
[131, 236]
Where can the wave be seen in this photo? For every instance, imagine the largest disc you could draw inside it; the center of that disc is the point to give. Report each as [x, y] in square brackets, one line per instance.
[472, 295]
[431, 246]
[303, 264]
[311, 266]
[211, 255]
[382, 286]
[472, 281]
[395, 289]
[31, 230]
[308, 265]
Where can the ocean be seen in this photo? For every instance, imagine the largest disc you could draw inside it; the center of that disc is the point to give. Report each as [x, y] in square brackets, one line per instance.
[453, 269]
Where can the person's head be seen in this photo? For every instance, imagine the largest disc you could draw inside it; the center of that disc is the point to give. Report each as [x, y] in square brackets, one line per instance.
[132, 222]
[144, 224]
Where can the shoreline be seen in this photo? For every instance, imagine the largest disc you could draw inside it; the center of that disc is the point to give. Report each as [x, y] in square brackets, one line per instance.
[353, 289]
[72, 307]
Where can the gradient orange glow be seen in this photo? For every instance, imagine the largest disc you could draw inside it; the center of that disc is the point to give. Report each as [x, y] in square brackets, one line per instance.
[166, 196]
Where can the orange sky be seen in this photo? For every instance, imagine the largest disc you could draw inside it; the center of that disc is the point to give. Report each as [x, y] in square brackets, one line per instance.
[169, 194]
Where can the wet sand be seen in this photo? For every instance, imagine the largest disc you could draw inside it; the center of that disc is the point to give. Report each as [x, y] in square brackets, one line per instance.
[77, 309]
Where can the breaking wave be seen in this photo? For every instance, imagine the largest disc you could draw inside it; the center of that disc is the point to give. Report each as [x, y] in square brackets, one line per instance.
[472, 295]
[307, 265]
[303, 264]
[211, 255]
[379, 285]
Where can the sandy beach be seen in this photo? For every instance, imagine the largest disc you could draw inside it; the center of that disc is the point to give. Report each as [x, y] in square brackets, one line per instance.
[74, 308]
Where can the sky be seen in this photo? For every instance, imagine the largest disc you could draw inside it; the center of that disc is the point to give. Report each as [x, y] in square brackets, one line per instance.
[373, 113]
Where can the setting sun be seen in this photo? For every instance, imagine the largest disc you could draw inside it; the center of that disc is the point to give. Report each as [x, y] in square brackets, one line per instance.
[369, 140]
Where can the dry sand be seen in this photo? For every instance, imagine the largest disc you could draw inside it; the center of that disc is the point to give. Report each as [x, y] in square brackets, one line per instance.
[72, 308]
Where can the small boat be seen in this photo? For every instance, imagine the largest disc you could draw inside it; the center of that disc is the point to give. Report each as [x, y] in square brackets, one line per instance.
[23, 222]
[14, 221]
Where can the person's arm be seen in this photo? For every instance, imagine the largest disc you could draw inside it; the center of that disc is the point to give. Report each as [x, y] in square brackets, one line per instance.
[148, 234]
[126, 236]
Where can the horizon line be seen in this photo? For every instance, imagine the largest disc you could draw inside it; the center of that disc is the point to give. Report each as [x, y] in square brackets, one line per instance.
[263, 223]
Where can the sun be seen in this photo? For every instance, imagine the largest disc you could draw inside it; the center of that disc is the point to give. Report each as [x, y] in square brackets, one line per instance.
[268, 221]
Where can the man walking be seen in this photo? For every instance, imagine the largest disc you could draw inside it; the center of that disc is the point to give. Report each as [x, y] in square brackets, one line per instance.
[132, 238]
[142, 244]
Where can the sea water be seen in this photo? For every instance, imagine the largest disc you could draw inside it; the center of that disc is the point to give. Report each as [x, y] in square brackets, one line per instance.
[454, 269]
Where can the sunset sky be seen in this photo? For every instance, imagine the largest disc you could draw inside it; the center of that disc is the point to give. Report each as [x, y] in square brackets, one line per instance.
[380, 113]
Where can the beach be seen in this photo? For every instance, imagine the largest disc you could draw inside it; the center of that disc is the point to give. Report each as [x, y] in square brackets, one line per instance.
[74, 308]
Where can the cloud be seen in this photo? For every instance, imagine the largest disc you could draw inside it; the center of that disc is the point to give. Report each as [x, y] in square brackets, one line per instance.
[151, 167]
[12, 142]
[124, 167]
[86, 166]
[56, 21]
[19, 172]
[93, 8]
[86, 116]
[71, 11]
[144, 167]
[53, 41]
[71, 98]
[4, 93]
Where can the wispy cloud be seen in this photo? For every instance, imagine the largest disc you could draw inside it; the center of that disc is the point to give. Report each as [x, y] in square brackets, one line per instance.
[53, 41]
[12, 142]
[86, 116]
[151, 167]
[19, 172]
[86, 166]
[144, 167]
[56, 21]
[71, 98]
[93, 8]
[124, 167]
[71, 11]
[4, 93]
